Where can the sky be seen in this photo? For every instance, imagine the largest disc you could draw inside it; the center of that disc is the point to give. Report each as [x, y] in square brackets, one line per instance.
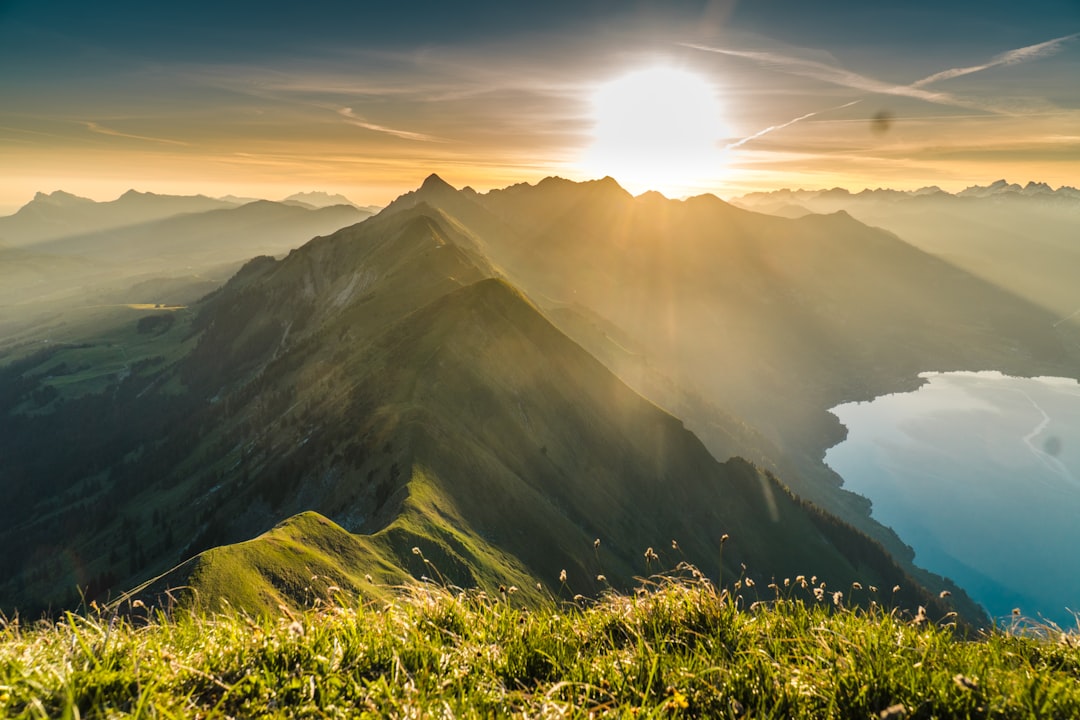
[264, 99]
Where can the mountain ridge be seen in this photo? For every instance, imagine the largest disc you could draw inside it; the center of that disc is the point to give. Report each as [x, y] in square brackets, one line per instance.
[386, 378]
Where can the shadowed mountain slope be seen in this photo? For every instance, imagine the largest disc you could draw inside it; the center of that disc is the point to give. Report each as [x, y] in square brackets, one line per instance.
[383, 378]
[770, 320]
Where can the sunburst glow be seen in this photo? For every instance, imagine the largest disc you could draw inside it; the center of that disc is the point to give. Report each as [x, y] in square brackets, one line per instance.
[658, 128]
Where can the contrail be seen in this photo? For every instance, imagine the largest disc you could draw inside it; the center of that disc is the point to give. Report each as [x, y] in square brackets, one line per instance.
[837, 76]
[918, 90]
[1012, 57]
[95, 128]
[771, 128]
[353, 119]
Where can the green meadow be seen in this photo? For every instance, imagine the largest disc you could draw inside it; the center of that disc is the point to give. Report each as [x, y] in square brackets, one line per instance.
[674, 647]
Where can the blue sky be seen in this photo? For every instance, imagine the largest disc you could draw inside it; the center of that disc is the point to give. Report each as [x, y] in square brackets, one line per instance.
[268, 98]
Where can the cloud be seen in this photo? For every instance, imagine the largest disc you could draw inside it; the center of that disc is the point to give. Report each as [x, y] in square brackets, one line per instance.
[1012, 57]
[830, 74]
[95, 128]
[354, 119]
[917, 90]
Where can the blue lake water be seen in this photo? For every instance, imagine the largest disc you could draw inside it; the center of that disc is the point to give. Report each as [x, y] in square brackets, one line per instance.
[980, 474]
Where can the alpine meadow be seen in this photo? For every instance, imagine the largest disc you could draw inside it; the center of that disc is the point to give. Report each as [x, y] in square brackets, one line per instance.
[708, 358]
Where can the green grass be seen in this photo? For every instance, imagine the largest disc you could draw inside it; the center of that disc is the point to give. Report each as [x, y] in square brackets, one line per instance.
[674, 648]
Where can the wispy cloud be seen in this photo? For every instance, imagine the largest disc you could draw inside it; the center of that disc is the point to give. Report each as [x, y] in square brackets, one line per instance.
[917, 90]
[831, 74]
[101, 130]
[781, 126]
[1012, 57]
[354, 119]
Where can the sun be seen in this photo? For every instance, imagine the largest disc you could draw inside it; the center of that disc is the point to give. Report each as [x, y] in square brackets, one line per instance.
[658, 128]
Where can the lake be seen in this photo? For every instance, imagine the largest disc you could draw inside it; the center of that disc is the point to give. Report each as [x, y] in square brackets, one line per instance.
[978, 472]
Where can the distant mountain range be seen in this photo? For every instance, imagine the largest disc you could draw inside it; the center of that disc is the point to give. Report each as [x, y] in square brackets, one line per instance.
[61, 252]
[1000, 188]
[58, 214]
[1022, 238]
[497, 381]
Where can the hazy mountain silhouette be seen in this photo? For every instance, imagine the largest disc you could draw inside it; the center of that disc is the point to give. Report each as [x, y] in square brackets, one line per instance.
[57, 214]
[318, 200]
[114, 266]
[1020, 238]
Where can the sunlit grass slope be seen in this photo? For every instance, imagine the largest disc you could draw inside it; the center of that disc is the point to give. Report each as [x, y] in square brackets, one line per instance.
[674, 648]
[289, 566]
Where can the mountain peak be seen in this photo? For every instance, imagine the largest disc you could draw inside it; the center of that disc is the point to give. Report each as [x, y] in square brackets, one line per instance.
[434, 182]
[58, 196]
[318, 199]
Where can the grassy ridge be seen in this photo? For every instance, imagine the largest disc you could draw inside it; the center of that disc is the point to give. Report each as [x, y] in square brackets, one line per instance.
[674, 648]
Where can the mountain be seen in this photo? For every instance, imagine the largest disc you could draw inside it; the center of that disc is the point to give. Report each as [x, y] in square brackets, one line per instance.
[386, 378]
[1019, 238]
[54, 215]
[173, 260]
[771, 320]
[318, 200]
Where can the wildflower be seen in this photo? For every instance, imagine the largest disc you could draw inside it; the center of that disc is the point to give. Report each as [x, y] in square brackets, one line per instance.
[369, 578]
[601, 578]
[541, 587]
[838, 599]
[896, 588]
[502, 589]
[678, 701]
[596, 543]
[920, 617]
[137, 604]
[674, 545]
[416, 551]
[579, 597]
[965, 683]
[813, 579]
[819, 594]
[562, 576]
[724, 538]
[1016, 611]
[651, 555]
[856, 586]
[801, 579]
[296, 628]
[944, 594]
[893, 712]
[873, 588]
[749, 582]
